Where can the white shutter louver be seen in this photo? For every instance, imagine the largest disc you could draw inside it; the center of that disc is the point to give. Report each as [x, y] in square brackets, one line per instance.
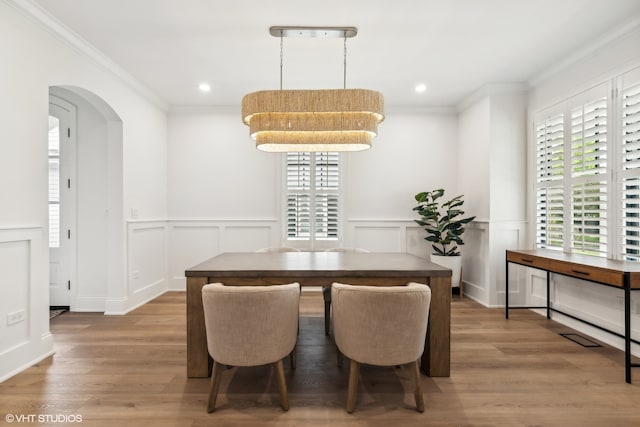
[550, 218]
[327, 183]
[631, 173]
[550, 173]
[588, 177]
[550, 149]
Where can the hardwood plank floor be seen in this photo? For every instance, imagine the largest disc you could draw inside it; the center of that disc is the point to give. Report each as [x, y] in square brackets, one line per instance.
[131, 371]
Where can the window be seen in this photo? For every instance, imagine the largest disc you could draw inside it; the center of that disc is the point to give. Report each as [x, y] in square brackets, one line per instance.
[54, 182]
[587, 183]
[312, 196]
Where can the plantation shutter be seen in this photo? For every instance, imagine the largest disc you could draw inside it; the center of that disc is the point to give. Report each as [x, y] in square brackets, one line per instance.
[313, 188]
[589, 178]
[54, 182]
[630, 176]
[549, 176]
[299, 195]
[327, 184]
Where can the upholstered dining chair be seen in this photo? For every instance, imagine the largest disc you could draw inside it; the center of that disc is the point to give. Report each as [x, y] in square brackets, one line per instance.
[326, 290]
[382, 326]
[250, 326]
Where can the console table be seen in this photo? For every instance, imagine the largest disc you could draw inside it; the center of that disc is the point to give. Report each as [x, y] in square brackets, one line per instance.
[617, 274]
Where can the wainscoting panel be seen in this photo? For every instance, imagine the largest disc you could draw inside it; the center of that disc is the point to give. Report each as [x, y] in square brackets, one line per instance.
[378, 235]
[191, 244]
[14, 300]
[246, 238]
[475, 261]
[194, 241]
[24, 299]
[147, 261]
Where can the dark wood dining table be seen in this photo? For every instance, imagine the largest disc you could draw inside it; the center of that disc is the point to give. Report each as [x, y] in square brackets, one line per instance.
[322, 269]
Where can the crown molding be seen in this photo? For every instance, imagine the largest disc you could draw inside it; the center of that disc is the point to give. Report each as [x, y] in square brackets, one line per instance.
[73, 40]
[586, 50]
[491, 89]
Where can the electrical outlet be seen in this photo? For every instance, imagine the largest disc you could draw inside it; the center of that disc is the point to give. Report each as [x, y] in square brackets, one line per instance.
[135, 275]
[15, 317]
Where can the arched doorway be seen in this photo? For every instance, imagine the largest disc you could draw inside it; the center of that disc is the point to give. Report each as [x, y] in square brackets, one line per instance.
[95, 232]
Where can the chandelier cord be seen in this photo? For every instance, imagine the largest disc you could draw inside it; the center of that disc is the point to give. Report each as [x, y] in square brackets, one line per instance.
[344, 76]
[281, 56]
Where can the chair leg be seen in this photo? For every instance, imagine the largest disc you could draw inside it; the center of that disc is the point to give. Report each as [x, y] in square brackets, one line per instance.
[282, 384]
[418, 383]
[215, 384]
[339, 357]
[353, 385]
[327, 317]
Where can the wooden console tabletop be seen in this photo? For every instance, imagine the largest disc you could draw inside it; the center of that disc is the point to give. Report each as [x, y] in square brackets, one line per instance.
[618, 274]
[317, 269]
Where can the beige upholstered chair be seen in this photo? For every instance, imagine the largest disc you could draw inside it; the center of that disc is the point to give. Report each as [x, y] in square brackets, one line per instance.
[279, 249]
[250, 326]
[383, 326]
[326, 290]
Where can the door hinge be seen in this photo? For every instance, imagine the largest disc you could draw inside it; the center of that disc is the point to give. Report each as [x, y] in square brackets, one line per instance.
[69, 285]
[68, 183]
[68, 234]
[68, 132]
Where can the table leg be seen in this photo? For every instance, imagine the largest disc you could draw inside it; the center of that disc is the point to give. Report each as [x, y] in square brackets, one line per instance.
[198, 360]
[627, 328]
[436, 358]
[506, 290]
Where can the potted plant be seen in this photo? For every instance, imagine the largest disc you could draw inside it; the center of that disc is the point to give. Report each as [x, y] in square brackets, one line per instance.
[444, 223]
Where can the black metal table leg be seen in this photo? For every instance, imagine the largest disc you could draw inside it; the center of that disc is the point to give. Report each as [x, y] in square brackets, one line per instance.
[506, 290]
[548, 295]
[627, 327]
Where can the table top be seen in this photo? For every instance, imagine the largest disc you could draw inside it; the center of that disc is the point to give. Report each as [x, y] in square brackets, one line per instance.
[315, 264]
[591, 261]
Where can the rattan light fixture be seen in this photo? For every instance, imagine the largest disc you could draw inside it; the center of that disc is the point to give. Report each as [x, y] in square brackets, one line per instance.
[313, 120]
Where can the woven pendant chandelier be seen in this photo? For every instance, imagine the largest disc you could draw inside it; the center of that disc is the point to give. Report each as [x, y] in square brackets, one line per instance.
[313, 120]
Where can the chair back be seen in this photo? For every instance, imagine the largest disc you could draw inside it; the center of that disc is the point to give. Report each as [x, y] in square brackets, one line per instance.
[381, 325]
[279, 249]
[250, 325]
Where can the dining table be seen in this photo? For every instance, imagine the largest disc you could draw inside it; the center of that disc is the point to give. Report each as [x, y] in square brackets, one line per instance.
[322, 269]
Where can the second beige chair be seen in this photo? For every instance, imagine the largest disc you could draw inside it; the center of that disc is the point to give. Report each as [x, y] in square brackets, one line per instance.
[326, 290]
[383, 326]
[250, 326]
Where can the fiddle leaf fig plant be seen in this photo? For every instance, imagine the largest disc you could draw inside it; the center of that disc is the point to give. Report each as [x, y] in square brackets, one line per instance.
[443, 221]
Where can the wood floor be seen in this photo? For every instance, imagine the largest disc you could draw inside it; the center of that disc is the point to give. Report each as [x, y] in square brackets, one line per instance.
[130, 371]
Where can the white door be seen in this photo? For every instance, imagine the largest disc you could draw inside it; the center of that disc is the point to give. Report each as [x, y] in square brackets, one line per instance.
[62, 203]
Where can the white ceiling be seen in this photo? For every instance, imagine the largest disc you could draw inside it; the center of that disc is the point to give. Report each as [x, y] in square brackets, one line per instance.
[454, 46]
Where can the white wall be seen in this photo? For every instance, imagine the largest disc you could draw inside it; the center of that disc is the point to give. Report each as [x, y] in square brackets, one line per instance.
[33, 59]
[492, 165]
[598, 304]
[224, 195]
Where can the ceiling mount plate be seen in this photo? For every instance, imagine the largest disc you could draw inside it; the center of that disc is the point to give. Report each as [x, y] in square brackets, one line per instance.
[314, 32]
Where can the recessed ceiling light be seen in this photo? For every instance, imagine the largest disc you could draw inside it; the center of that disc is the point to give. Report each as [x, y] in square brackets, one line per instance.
[421, 88]
[204, 87]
